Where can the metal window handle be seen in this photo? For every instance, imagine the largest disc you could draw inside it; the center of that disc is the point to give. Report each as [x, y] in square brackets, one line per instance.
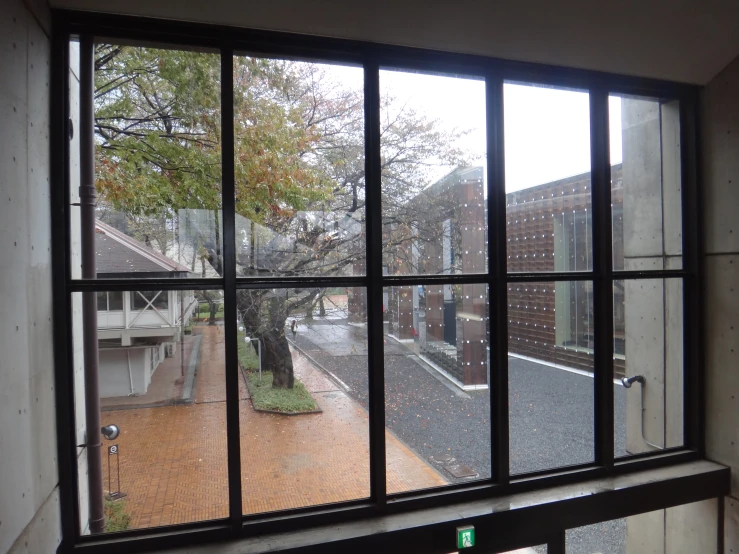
[628, 381]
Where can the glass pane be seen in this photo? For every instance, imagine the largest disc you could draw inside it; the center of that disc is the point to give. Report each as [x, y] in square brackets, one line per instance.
[540, 549]
[102, 301]
[547, 167]
[304, 425]
[645, 183]
[115, 301]
[433, 173]
[686, 528]
[648, 352]
[299, 148]
[162, 383]
[608, 537]
[158, 163]
[550, 371]
[437, 403]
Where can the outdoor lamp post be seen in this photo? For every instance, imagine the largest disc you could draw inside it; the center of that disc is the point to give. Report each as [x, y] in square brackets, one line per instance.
[110, 432]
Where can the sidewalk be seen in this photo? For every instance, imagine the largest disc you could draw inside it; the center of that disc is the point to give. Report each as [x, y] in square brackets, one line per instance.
[173, 459]
[167, 382]
[425, 412]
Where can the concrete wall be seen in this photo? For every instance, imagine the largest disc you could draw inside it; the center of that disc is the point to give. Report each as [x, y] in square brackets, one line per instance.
[720, 186]
[29, 499]
[652, 241]
[687, 529]
[668, 40]
[653, 318]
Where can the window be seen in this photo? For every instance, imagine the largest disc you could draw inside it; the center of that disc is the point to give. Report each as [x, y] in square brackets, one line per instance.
[110, 301]
[657, 531]
[327, 280]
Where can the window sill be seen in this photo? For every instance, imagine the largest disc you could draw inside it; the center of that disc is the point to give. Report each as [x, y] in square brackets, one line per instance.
[501, 523]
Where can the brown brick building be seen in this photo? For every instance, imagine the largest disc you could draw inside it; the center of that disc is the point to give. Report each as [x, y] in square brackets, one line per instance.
[548, 229]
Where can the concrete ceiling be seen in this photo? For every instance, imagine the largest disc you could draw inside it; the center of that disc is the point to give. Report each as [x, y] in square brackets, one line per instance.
[680, 40]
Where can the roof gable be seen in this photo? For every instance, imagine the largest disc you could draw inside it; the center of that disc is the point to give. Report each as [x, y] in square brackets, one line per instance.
[116, 252]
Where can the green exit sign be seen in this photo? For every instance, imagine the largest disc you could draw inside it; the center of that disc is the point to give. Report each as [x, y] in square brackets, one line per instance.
[465, 537]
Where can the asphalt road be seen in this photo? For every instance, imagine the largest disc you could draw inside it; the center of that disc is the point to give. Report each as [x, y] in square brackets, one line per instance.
[550, 411]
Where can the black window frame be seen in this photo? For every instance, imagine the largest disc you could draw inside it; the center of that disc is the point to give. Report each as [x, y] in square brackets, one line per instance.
[69, 25]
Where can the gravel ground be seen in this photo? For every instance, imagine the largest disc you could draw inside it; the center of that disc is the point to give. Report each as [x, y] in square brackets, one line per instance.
[551, 414]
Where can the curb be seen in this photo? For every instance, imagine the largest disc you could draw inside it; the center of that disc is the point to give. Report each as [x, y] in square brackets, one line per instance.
[263, 411]
[188, 390]
[336, 381]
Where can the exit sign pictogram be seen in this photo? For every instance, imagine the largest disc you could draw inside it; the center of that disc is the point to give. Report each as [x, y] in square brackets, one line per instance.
[465, 537]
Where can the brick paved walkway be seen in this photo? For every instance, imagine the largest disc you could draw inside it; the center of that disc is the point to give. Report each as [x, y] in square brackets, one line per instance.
[173, 459]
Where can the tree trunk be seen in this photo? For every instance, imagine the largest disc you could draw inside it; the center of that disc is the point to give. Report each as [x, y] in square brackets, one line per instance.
[265, 318]
[276, 358]
[311, 306]
[213, 309]
[321, 307]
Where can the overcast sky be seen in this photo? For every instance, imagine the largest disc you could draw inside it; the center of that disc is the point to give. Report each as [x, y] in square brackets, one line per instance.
[547, 130]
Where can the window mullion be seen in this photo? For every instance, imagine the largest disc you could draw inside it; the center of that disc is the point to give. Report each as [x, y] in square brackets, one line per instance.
[376, 367]
[693, 413]
[603, 273]
[229, 283]
[497, 269]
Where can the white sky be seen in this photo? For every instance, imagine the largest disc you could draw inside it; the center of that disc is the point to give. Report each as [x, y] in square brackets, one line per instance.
[547, 130]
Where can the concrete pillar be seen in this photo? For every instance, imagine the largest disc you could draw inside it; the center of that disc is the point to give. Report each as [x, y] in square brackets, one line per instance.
[29, 495]
[652, 241]
[653, 316]
[719, 184]
[645, 533]
[686, 529]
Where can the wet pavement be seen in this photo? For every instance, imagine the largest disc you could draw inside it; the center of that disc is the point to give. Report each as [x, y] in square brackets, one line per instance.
[173, 459]
[550, 411]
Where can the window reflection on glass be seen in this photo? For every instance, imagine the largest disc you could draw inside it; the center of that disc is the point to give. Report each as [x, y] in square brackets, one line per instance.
[433, 173]
[548, 201]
